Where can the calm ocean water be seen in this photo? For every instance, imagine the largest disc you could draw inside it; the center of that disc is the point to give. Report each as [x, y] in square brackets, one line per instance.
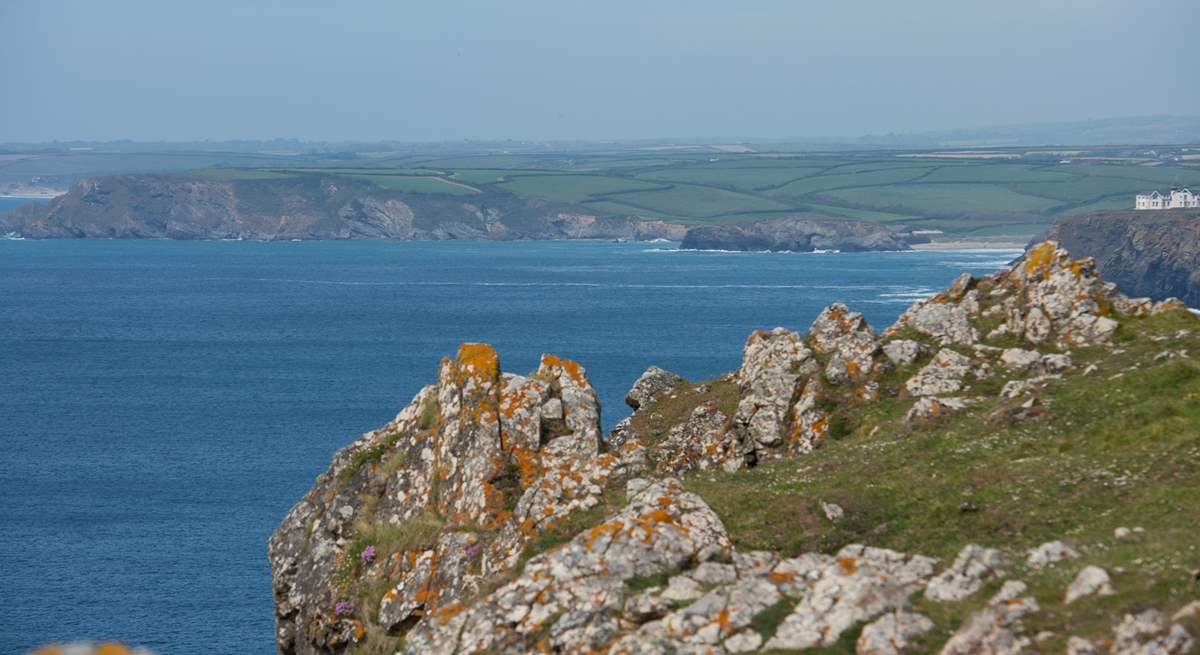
[162, 404]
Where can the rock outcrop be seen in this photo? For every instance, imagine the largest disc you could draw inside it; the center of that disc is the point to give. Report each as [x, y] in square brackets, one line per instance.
[490, 515]
[1145, 253]
[798, 235]
[479, 452]
[306, 207]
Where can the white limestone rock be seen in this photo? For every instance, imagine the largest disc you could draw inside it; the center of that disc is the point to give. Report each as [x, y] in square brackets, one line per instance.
[1050, 552]
[1092, 580]
[973, 565]
[945, 374]
[892, 633]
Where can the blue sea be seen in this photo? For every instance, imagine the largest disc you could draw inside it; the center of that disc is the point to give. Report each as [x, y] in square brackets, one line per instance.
[163, 404]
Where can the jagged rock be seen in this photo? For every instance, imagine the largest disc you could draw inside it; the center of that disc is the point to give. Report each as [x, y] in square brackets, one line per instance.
[646, 606]
[1059, 299]
[581, 407]
[703, 442]
[467, 449]
[927, 408]
[1015, 389]
[892, 633]
[1142, 634]
[966, 575]
[902, 352]
[851, 341]
[1019, 359]
[959, 287]
[947, 323]
[1091, 580]
[810, 424]
[773, 363]
[649, 384]
[708, 620]
[945, 374]
[860, 583]
[989, 630]
[572, 595]
[1050, 552]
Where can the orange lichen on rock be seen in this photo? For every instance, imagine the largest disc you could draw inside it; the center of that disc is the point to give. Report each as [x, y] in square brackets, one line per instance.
[848, 565]
[780, 577]
[571, 368]
[1039, 258]
[478, 359]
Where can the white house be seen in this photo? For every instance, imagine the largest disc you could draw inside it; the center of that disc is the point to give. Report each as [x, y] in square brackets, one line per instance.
[1174, 199]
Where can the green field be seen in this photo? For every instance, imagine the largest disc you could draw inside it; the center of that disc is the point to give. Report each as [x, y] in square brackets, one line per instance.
[962, 196]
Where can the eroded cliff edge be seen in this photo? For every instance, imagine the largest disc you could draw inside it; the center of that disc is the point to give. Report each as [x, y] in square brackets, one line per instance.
[799, 234]
[1010, 468]
[1146, 253]
[305, 207]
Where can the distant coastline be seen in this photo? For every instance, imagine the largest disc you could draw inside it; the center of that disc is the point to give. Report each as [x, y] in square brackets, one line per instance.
[970, 245]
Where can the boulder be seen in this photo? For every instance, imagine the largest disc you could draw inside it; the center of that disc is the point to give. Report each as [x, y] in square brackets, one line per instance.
[773, 365]
[989, 629]
[945, 374]
[967, 574]
[649, 384]
[572, 596]
[1092, 580]
[1050, 552]
[902, 352]
[892, 633]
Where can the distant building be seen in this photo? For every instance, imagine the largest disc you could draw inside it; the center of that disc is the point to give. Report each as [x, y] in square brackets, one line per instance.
[1174, 199]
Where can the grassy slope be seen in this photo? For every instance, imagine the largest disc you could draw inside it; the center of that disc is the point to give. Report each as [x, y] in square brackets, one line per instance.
[966, 197]
[1120, 447]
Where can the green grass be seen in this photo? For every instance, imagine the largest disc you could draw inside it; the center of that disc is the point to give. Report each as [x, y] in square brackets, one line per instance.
[697, 201]
[747, 179]
[941, 198]
[572, 188]
[417, 184]
[233, 174]
[1111, 451]
[999, 173]
[369, 455]
[839, 180]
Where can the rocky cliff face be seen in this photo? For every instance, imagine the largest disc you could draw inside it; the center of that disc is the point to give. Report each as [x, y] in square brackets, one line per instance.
[797, 235]
[1155, 254]
[490, 516]
[304, 207]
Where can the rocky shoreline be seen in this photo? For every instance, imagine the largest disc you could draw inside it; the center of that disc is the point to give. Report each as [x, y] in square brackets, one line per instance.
[306, 208]
[1146, 253]
[799, 235]
[490, 515]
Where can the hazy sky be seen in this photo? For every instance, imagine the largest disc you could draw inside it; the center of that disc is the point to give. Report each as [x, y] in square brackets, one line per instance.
[552, 69]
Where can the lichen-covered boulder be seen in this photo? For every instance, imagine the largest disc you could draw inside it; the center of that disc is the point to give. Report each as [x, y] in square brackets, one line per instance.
[773, 365]
[704, 441]
[973, 565]
[848, 339]
[571, 598]
[481, 451]
[945, 374]
[990, 629]
[860, 583]
[649, 384]
[944, 321]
